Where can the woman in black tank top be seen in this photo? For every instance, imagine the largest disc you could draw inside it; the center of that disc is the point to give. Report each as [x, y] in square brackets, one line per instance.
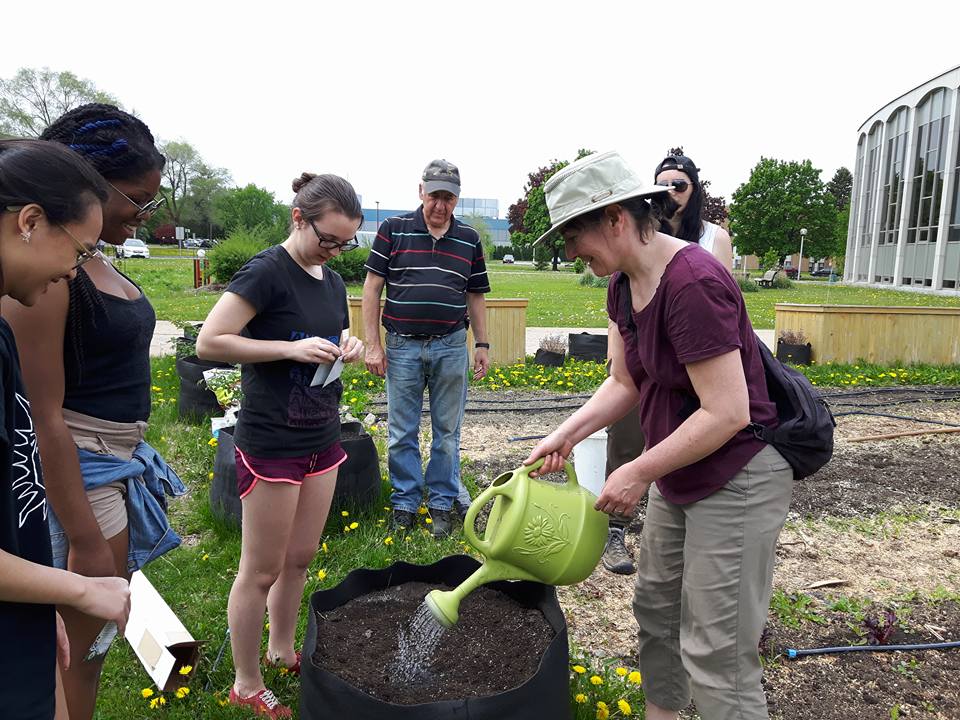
[86, 348]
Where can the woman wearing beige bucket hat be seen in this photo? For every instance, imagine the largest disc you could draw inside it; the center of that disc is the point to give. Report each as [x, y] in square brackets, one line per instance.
[684, 350]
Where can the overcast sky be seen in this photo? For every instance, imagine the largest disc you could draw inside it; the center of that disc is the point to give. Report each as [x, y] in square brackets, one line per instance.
[373, 90]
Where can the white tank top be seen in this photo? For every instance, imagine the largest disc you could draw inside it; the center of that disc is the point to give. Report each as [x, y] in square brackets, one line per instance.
[708, 235]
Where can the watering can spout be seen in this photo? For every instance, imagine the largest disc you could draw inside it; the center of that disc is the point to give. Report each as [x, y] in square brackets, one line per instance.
[537, 530]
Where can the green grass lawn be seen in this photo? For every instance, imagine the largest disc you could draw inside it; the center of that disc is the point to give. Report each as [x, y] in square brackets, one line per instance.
[556, 298]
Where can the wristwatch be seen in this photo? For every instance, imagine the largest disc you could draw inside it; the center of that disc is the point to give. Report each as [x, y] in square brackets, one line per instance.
[482, 345]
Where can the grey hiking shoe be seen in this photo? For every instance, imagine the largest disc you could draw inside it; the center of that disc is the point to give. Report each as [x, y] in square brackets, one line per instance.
[461, 510]
[616, 559]
[442, 523]
[402, 520]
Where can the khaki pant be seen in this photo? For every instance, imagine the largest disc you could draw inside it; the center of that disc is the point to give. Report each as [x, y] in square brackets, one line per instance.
[703, 590]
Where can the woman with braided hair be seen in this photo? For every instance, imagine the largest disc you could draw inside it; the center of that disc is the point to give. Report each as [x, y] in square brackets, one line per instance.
[87, 368]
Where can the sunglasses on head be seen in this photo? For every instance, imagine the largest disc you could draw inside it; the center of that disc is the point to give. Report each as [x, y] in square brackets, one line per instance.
[678, 185]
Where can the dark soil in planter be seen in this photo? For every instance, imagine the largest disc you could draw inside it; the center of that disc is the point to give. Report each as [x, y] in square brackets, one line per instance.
[496, 646]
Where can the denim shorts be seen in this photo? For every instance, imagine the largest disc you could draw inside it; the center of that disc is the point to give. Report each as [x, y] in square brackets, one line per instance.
[293, 470]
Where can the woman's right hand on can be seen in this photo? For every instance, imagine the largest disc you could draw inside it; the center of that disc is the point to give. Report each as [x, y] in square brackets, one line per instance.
[554, 449]
[313, 350]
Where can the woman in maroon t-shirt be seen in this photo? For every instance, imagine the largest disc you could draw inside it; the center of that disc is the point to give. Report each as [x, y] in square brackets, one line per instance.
[685, 352]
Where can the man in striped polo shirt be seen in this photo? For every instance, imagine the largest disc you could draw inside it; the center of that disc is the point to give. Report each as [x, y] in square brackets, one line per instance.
[432, 265]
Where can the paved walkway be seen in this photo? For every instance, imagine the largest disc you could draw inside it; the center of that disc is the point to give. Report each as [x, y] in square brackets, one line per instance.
[166, 332]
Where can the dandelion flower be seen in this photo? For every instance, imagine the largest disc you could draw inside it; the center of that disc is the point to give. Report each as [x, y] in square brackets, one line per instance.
[421, 510]
[146, 692]
[388, 541]
[634, 677]
[324, 547]
[212, 442]
[621, 671]
[210, 476]
[596, 680]
[182, 692]
[344, 513]
[624, 707]
[428, 521]
[602, 712]
[580, 698]
[354, 525]
[206, 556]
[321, 574]
[579, 669]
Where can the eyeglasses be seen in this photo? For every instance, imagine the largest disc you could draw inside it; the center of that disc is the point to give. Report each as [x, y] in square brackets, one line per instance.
[145, 211]
[85, 255]
[679, 185]
[328, 244]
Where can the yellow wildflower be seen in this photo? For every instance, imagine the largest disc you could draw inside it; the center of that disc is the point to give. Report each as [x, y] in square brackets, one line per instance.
[621, 671]
[324, 547]
[579, 669]
[580, 698]
[421, 510]
[155, 388]
[146, 692]
[624, 707]
[602, 711]
[344, 513]
[212, 442]
[596, 680]
[634, 677]
[388, 541]
[354, 525]
[321, 574]
[182, 692]
[206, 556]
[428, 521]
[210, 476]
[186, 669]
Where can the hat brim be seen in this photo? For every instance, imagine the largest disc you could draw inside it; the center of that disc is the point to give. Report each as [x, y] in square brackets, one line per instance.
[432, 186]
[612, 200]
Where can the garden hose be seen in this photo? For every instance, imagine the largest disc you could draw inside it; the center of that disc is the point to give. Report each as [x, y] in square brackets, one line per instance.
[794, 654]
[894, 417]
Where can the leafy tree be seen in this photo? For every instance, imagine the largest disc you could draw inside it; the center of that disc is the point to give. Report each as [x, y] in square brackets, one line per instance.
[478, 223]
[529, 217]
[32, 99]
[840, 186]
[253, 208]
[778, 200]
[198, 204]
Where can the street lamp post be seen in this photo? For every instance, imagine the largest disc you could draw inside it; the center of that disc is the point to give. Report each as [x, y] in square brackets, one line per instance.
[803, 234]
[378, 213]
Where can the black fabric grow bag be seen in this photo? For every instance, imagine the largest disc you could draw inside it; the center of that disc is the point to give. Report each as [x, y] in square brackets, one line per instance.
[549, 358]
[358, 478]
[584, 346]
[323, 695]
[196, 401]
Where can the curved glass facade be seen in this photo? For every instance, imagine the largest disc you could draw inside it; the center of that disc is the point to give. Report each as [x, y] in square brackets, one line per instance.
[905, 221]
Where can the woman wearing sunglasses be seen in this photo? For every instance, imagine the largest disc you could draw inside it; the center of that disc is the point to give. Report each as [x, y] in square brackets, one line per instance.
[687, 355]
[49, 225]
[683, 218]
[284, 316]
[85, 346]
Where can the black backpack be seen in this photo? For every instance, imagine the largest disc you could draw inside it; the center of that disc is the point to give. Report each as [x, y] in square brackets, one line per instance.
[805, 434]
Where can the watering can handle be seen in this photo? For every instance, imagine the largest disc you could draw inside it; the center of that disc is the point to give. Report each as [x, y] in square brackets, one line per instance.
[567, 468]
[469, 522]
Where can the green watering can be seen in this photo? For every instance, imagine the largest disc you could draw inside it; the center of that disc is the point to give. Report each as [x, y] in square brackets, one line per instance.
[537, 530]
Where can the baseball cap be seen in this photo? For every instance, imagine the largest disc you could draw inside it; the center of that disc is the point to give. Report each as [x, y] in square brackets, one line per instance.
[441, 175]
[681, 163]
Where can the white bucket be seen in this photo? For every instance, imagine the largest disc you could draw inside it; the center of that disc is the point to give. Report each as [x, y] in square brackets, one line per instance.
[590, 461]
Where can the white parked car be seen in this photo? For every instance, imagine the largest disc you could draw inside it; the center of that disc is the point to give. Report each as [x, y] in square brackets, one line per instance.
[508, 259]
[132, 248]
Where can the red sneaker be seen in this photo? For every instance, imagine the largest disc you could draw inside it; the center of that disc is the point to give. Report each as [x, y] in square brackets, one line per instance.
[264, 703]
[292, 669]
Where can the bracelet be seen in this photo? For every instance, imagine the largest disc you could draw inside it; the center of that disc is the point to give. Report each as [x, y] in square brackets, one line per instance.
[482, 345]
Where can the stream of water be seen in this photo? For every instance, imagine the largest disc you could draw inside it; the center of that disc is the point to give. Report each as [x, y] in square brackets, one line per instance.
[416, 643]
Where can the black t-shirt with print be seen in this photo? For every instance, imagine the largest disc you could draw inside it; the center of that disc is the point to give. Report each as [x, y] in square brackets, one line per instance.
[282, 416]
[28, 631]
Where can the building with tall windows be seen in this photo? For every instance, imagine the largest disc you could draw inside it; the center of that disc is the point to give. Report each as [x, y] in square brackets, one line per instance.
[486, 208]
[905, 206]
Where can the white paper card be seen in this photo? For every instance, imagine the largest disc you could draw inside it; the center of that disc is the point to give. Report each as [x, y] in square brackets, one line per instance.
[327, 373]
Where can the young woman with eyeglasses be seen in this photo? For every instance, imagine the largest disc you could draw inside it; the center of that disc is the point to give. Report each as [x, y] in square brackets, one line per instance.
[283, 315]
[50, 219]
[85, 346]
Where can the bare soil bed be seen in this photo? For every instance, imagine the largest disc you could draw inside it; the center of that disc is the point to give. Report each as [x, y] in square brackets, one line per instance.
[838, 530]
[496, 645]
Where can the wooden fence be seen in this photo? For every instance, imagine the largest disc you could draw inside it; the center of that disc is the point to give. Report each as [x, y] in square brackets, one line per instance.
[877, 334]
[506, 328]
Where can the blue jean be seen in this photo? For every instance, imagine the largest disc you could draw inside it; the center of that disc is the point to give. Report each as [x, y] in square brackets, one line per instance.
[439, 365]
